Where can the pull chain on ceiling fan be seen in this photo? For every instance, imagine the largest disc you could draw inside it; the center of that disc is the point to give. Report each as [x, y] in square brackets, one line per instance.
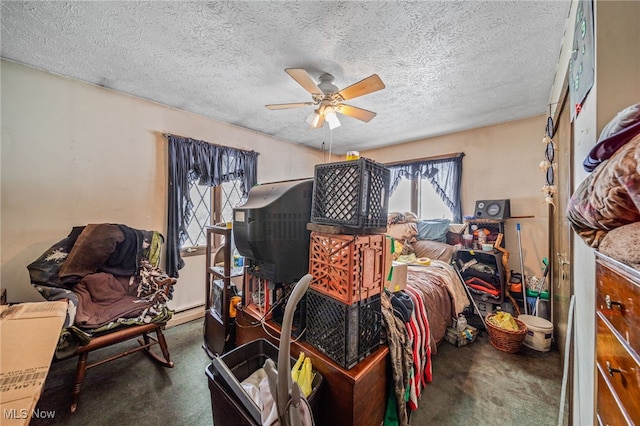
[329, 98]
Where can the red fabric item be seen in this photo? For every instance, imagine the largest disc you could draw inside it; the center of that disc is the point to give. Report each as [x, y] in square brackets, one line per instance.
[483, 286]
[419, 333]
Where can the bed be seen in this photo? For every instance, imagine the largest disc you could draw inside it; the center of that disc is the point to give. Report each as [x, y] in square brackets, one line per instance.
[417, 318]
[604, 210]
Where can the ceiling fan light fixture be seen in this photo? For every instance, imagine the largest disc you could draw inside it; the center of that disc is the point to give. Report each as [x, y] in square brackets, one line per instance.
[332, 118]
[313, 119]
[328, 97]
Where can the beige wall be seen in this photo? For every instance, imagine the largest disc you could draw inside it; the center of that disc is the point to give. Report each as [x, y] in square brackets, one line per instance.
[74, 153]
[500, 162]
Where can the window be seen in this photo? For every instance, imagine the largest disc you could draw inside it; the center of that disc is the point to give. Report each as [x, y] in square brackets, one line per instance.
[429, 187]
[203, 201]
[211, 205]
[230, 196]
[419, 196]
[401, 199]
[209, 165]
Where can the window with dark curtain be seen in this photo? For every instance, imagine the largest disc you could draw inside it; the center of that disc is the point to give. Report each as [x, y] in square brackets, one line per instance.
[445, 174]
[192, 161]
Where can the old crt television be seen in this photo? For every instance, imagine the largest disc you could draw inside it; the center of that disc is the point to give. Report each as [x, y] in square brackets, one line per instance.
[271, 229]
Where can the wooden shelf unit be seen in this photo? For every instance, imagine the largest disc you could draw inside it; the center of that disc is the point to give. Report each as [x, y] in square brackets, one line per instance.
[219, 327]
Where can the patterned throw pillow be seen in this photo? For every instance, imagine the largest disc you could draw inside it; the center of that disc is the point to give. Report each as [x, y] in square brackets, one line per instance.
[623, 244]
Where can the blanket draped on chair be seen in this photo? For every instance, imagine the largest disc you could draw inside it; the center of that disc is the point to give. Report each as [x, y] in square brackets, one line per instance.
[109, 274]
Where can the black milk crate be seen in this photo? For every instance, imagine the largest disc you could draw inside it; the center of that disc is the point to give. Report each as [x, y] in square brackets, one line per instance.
[282, 293]
[345, 333]
[351, 193]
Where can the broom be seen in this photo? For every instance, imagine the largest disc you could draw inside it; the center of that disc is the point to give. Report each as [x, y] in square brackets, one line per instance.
[524, 285]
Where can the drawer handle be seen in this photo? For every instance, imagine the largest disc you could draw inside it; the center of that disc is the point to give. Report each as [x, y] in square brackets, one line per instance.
[612, 370]
[610, 302]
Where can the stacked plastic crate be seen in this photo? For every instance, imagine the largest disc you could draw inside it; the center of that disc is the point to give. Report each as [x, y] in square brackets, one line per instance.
[347, 259]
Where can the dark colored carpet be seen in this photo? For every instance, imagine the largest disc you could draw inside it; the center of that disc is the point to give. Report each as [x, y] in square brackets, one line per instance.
[134, 390]
[480, 385]
[475, 384]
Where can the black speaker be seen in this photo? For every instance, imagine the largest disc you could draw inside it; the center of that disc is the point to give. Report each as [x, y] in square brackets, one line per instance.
[493, 209]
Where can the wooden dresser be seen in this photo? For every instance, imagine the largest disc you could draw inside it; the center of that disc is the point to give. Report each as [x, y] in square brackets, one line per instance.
[355, 397]
[617, 342]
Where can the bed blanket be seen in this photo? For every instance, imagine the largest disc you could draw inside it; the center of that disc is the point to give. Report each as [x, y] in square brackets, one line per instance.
[609, 197]
[437, 295]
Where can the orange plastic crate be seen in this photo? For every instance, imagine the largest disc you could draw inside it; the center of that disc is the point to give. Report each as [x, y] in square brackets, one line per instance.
[348, 268]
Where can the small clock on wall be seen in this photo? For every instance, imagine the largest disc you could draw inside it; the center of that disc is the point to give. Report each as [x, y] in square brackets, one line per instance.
[582, 61]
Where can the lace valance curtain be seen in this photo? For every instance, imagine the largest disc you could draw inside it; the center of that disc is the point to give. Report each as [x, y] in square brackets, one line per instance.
[192, 161]
[445, 174]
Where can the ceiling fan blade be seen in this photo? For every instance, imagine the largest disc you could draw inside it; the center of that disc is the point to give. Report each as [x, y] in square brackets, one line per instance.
[355, 112]
[293, 105]
[303, 79]
[371, 84]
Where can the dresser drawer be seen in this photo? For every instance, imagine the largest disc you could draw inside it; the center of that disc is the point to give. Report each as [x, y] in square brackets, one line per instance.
[618, 299]
[622, 370]
[609, 411]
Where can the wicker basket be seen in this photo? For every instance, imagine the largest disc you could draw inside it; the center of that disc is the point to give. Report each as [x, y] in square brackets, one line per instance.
[506, 340]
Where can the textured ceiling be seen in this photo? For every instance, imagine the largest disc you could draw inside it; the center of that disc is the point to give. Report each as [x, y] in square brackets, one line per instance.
[447, 65]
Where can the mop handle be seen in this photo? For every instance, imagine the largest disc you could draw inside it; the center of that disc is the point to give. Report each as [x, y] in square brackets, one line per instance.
[524, 282]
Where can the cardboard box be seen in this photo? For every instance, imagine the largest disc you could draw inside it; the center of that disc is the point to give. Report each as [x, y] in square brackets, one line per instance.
[29, 333]
[461, 338]
[398, 280]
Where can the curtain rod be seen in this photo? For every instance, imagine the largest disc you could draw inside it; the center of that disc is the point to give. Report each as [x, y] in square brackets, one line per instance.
[167, 134]
[432, 158]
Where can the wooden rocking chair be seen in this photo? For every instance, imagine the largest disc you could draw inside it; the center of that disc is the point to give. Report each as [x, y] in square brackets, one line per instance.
[118, 335]
[87, 250]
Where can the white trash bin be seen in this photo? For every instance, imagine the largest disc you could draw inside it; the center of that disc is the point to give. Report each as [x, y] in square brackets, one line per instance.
[539, 333]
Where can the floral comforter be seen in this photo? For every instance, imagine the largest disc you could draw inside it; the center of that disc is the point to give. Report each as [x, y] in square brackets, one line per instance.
[609, 197]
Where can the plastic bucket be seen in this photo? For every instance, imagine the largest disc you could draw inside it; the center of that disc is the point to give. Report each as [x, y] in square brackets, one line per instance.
[539, 333]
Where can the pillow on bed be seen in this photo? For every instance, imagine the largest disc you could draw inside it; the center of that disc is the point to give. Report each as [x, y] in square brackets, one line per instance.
[433, 229]
[403, 231]
[434, 250]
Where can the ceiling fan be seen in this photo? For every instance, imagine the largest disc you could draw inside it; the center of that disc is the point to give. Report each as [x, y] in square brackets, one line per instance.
[329, 98]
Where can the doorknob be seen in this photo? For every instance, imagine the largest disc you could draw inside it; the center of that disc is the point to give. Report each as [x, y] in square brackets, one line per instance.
[562, 261]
